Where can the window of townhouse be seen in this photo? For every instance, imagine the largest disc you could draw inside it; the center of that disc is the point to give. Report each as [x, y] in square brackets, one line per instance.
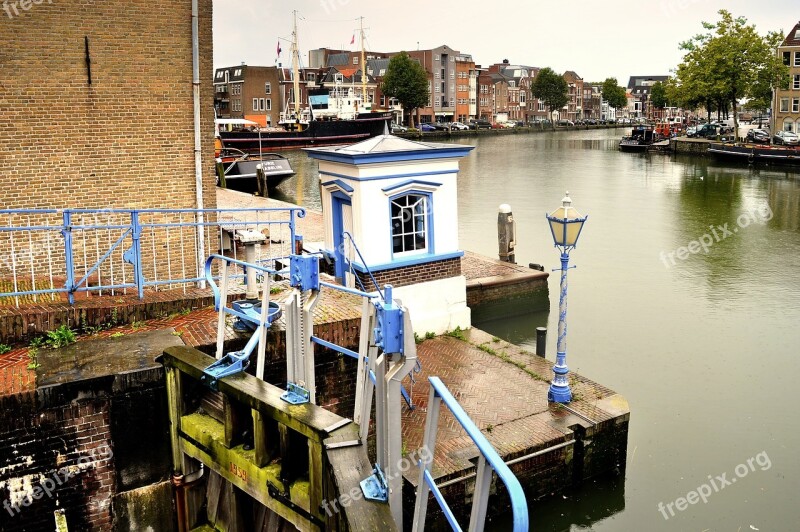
[784, 105]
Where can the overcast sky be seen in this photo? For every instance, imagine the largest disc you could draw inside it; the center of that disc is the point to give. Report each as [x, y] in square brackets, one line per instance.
[597, 40]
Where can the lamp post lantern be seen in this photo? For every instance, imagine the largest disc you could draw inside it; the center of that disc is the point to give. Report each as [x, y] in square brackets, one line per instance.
[566, 225]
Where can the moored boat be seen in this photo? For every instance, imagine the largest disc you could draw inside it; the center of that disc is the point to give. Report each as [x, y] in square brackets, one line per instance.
[756, 153]
[639, 140]
[341, 115]
[243, 174]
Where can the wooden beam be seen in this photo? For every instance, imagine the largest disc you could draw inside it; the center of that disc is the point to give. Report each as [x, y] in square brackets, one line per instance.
[309, 420]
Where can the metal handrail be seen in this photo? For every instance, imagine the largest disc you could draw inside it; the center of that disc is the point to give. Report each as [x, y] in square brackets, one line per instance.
[489, 460]
[364, 263]
[67, 251]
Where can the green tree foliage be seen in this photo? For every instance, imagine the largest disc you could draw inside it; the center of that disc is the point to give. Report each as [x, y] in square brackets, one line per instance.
[551, 88]
[658, 95]
[407, 81]
[614, 94]
[728, 63]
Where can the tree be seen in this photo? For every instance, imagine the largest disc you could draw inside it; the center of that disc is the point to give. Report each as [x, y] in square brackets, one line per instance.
[615, 95]
[658, 95]
[551, 88]
[407, 81]
[730, 62]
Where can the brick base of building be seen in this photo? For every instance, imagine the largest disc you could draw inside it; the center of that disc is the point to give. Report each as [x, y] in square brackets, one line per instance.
[419, 273]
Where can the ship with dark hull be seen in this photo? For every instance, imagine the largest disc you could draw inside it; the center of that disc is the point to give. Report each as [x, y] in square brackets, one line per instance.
[756, 153]
[316, 132]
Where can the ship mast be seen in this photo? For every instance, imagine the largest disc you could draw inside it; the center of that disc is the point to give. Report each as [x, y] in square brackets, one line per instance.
[364, 100]
[296, 67]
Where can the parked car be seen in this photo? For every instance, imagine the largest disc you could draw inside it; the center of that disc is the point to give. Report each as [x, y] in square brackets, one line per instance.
[426, 127]
[786, 138]
[691, 131]
[440, 126]
[707, 131]
[565, 123]
[480, 124]
[757, 136]
[459, 126]
[508, 124]
[397, 128]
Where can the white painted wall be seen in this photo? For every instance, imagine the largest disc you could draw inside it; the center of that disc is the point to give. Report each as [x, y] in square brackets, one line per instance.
[436, 306]
[372, 210]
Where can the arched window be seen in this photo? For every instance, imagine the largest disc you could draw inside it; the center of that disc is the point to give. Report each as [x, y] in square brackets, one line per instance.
[410, 227]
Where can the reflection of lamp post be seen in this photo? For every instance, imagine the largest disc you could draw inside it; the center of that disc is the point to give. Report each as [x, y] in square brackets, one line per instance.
[566, 225]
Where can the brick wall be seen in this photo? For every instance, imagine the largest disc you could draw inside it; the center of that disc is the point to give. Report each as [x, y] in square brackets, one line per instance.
[124, 141]
[58, 457]
[420, 273]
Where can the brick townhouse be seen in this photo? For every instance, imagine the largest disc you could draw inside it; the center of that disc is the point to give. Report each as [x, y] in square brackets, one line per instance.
[574, 108]
[786, 106]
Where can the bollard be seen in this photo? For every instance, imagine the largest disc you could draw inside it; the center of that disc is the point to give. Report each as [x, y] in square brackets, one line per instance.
[221, 174]
[541, 340]
[261, 181]
[506, 233]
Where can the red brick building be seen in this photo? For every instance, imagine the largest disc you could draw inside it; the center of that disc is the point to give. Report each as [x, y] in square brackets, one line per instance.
[98, 113]
[574, 109]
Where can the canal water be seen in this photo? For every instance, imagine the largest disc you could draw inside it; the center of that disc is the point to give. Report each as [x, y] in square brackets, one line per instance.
[702, 341]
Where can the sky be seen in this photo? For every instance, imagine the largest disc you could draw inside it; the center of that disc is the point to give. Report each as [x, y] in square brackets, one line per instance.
[612, 38]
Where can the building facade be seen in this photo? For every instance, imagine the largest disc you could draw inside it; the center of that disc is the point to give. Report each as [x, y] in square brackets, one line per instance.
[249, 92]
[786, 104]
[640, 88]
[98, 114]
[574, 109]
[466, 88]
[440, 64]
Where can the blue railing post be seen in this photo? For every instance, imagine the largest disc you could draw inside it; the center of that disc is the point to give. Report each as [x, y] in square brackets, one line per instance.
[136, 234]
[69, 264]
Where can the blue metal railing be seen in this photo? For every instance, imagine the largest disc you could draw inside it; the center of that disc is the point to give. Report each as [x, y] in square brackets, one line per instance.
[46, 252]
[488, 461]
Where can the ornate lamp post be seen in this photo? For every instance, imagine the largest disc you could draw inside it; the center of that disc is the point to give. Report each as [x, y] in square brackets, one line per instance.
[566, 224]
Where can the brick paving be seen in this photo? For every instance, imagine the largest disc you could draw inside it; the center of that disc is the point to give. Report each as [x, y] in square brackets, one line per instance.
[507, 403]
[197, 328]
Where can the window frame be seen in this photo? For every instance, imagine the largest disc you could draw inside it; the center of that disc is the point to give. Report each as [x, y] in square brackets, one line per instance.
[426, 217]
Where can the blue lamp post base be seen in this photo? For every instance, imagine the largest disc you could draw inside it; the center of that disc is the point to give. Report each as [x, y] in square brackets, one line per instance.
[560, 391]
